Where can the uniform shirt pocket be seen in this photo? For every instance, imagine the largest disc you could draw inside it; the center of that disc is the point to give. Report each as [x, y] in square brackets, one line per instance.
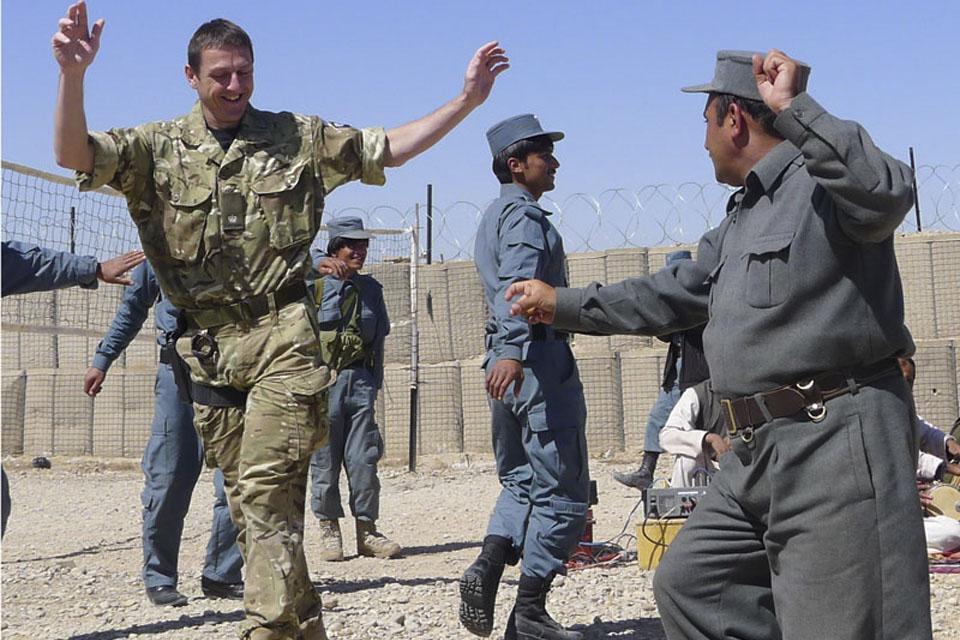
[768, 270]
[183, 220]
[287, 200]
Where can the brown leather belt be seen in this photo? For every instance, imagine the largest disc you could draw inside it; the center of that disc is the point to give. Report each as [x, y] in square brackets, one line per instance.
[246, 310]
[743, 415]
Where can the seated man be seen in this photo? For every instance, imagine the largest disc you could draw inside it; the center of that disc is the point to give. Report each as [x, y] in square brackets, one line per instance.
[695, 434]
[933, 441]
[939, 454]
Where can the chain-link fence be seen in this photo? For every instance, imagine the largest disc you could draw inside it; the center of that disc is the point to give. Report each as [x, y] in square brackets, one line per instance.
[49, 339]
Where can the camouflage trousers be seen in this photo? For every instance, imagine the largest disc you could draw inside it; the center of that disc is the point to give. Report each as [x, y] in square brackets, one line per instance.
[264, 450]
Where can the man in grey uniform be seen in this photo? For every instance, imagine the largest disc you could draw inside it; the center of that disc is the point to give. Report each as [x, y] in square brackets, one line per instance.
[536, 398]
[812, 528]
[172, 458]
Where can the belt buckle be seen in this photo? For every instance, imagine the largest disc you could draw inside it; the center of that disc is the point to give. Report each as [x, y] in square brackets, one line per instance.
[731, 418]
[817, 410]
[245, 310]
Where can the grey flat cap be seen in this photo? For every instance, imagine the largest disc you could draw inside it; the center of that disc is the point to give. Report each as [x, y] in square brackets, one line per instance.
[676, 256]
[506, 132]
[347, 227]
[734, 75]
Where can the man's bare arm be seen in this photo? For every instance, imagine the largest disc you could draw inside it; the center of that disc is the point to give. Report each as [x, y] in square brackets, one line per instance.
[411, 139]
[74, 48]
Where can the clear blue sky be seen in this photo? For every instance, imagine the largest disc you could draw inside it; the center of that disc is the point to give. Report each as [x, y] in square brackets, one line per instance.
[606, 73]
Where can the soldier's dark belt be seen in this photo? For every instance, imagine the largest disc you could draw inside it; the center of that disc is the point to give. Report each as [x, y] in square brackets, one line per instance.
[744, 415]
[217, 396]
[165, 356]
[246, 310]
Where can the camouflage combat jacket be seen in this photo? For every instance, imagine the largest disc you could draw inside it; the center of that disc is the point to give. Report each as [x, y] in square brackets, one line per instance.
[221, 226]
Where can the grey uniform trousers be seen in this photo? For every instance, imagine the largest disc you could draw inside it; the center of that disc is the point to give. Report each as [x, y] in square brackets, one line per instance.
[539, 441]
[355, 443]
[171, 466]
[813, 531]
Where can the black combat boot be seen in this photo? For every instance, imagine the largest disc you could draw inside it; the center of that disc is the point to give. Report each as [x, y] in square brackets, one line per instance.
[532, 620]
[479, 584]
[642, 478]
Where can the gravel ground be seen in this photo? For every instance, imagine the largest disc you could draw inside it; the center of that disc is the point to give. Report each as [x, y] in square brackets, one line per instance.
[72, 554]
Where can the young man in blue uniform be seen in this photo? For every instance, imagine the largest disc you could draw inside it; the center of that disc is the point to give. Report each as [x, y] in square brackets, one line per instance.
[811, 529]
[536, 399]
[28, 268]
[172, 459]
[353, 327]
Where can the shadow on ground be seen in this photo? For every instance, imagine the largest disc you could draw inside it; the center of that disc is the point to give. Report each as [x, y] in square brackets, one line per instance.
[111, 547]
[633, 629]
[438, 548]
[183, 622]
[339, 585]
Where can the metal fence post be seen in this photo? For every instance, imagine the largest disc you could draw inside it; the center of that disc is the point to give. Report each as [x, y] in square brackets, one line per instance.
[414, 342]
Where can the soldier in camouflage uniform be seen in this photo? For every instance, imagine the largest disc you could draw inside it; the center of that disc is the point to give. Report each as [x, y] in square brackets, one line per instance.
[227, 200]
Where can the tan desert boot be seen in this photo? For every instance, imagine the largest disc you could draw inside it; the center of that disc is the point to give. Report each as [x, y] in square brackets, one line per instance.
[263, 633]
[313, 629]
[374, 544]
[331, 542]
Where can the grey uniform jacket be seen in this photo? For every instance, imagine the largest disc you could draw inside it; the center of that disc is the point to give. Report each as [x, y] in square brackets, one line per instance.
[799, 278]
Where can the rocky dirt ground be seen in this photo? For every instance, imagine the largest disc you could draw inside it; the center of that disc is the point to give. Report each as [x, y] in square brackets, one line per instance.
[71, 560]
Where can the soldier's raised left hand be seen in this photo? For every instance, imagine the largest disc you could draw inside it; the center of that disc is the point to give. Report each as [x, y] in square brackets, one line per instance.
[487, 63]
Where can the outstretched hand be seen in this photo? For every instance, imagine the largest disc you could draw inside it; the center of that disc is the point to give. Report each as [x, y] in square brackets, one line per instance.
[74, 45]
[537, 301]
[487, 63]
[113, 270]
[776, 75]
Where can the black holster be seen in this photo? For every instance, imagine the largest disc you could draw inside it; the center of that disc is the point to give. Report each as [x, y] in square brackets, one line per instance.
[190, 391]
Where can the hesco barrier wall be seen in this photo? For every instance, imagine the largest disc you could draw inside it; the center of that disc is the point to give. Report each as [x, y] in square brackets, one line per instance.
[49, 339]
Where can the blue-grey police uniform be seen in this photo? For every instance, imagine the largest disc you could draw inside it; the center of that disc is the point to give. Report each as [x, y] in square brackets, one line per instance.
[28, 268]
[538, 434]
[355, 441]
[173, 457]
[812, 528]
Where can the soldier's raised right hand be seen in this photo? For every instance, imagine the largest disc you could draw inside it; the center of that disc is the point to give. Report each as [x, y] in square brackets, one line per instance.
[74, 45]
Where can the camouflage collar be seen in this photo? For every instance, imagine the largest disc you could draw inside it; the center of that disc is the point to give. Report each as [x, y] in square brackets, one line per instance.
[253, 127]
